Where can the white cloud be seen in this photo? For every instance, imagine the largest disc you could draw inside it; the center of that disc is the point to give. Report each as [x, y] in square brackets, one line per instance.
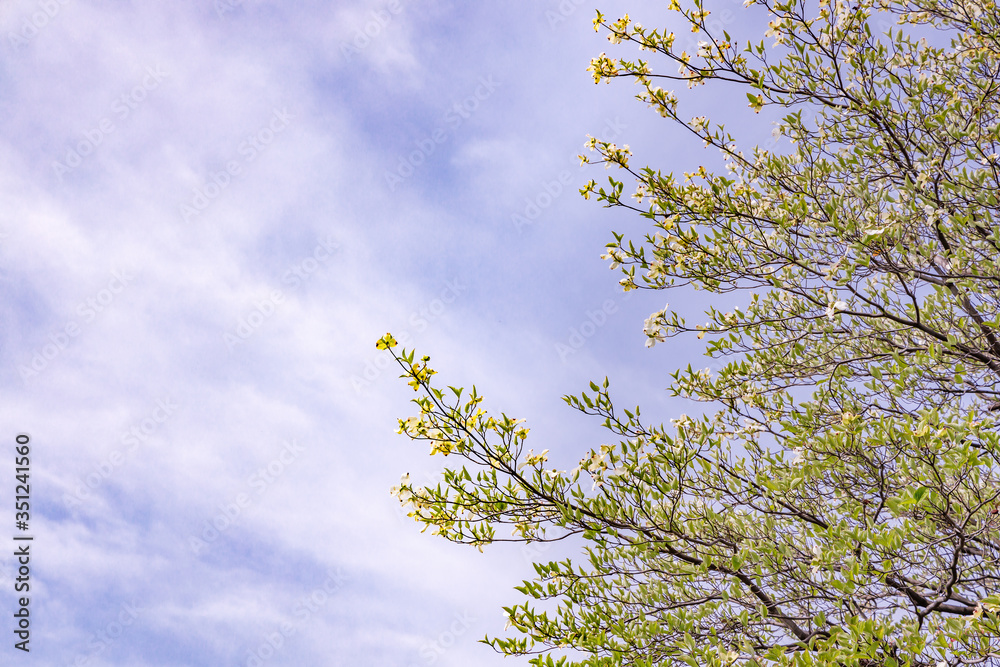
[162, 336]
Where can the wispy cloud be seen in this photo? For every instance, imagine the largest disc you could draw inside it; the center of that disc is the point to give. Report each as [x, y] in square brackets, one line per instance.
[211, 212]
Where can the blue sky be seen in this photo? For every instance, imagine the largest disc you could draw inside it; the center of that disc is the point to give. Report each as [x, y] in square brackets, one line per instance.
[211, 212]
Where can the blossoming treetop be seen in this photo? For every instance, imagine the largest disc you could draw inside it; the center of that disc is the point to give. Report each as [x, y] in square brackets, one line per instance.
[839, 503]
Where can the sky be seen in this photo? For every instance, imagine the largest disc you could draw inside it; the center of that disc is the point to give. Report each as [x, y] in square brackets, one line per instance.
[211, 212]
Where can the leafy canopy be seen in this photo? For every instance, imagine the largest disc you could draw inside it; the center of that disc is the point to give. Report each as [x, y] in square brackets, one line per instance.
[838, 504]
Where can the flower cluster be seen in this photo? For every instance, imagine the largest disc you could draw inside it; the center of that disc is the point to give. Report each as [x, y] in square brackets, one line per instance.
[654, 327]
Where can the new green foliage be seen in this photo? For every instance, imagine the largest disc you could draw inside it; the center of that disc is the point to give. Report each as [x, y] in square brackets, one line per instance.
[839, 503]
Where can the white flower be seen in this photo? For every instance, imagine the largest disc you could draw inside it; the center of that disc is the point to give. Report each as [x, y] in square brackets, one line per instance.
[654, 331]
[942, 261]
[534, 459]
[835, 306]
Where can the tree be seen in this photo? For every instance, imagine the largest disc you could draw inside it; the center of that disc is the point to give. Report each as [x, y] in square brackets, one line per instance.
[837, 504]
